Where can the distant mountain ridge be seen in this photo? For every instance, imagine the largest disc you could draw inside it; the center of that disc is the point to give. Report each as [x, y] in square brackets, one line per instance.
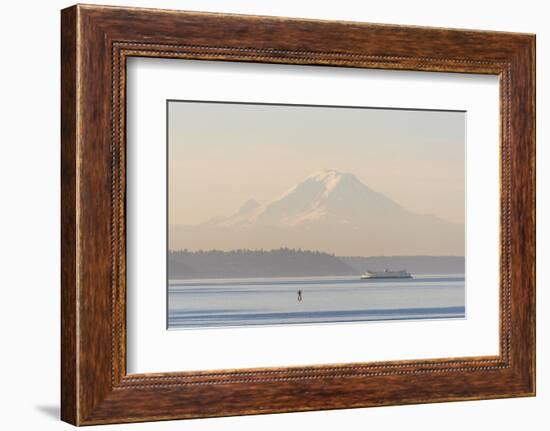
[184, 264]
[329, 196]
[328, 210]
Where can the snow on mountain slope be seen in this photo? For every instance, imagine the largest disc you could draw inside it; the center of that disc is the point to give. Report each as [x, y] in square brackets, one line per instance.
[328, 211]
[327, 196]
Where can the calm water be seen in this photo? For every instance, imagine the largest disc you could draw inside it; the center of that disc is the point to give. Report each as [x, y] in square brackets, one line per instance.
[243, 302]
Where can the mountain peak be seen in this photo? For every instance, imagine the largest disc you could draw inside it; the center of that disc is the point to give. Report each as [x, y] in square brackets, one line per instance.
[326, 175]
[331, 210]
[325, 172]
[331, 178]
[327, 195]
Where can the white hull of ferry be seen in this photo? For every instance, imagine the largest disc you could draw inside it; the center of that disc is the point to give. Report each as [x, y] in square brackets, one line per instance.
[386, 274]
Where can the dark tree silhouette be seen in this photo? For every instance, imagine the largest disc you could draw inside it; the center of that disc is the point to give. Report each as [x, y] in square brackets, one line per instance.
[285, 262]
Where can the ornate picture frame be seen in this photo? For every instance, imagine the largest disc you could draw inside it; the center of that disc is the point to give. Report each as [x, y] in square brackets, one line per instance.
[96, 42]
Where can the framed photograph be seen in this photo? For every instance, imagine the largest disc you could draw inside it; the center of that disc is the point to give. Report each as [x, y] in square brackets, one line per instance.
[300, 255]
[265, 215]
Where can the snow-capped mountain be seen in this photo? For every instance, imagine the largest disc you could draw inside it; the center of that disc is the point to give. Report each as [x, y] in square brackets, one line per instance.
[328, 211]
[327, 196]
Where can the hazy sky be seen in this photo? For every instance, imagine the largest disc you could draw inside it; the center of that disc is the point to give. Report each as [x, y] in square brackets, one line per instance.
[221, 155]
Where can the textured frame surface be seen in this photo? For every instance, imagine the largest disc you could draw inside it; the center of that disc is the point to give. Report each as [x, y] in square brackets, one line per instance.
[96, 41]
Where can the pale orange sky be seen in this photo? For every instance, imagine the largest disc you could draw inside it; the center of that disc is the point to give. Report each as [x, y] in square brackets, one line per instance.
[221, 155]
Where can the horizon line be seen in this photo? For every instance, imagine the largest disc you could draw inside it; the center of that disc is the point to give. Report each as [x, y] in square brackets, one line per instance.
[307, 251]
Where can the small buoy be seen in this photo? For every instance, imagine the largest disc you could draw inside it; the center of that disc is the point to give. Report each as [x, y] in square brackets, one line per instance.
[299, 296]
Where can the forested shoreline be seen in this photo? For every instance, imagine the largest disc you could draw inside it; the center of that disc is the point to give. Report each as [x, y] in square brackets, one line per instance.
[286, 262]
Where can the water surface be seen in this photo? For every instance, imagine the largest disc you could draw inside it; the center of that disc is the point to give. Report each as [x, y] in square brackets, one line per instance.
[281, 301]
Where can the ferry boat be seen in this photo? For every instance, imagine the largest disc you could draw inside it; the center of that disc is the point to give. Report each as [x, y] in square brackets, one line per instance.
[386, 274]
